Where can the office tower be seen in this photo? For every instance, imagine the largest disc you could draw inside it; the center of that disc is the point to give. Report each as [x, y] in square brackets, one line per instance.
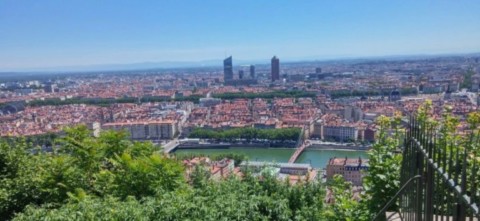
[275, 68]
[240, 74]
[318, 70]
[252, 71]
[227, 69]
[50, 88]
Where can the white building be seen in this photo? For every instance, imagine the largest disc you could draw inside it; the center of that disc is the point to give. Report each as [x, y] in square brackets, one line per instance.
[340, 133]
[145, 130]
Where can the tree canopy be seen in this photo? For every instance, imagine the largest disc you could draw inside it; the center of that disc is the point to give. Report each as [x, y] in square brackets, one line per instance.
[247, 133]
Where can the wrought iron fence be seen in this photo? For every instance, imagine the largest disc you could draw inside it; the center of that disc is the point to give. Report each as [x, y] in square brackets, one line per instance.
[448, 177]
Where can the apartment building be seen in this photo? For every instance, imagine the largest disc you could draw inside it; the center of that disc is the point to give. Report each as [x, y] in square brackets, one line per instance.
[352, 170]
[146, 129]
[340, 133]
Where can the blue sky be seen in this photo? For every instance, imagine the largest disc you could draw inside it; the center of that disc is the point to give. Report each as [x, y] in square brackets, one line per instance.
[37, 34]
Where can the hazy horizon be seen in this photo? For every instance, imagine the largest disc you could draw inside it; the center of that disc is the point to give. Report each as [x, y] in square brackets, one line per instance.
[212, 63]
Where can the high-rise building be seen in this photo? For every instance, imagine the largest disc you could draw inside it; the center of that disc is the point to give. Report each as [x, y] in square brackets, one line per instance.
[318, 70]
[50, 88]
[228, 69]
[275, 68]
[252, 71]
[240, 74]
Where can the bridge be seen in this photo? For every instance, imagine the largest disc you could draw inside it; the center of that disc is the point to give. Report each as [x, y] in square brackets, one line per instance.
[298, 152]
[301, 145]
[168, 147]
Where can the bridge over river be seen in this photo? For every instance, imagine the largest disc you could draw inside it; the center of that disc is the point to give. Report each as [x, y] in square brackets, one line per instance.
[298, 152]
[168, 147]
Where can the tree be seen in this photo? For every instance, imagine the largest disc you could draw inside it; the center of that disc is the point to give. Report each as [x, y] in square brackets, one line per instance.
[248, 133]
[383, 178]
[106, 166]
[344, 207]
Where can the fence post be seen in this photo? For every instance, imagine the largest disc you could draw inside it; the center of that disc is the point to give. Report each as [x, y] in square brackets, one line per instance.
[429, 193]
[419, 189]
[461, 211]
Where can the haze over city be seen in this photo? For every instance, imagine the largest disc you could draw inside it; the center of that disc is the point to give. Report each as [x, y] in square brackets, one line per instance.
[56, 35]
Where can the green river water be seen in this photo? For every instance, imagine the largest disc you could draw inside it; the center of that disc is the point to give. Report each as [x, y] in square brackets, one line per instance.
[318, 158]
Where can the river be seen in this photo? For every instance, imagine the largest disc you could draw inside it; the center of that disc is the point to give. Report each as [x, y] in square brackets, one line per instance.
[318, 158]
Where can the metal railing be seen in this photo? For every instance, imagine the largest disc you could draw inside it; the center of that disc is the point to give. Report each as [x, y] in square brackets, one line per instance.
[394, 198]
[448, 187]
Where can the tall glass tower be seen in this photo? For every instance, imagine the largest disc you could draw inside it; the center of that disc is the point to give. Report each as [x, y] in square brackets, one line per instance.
[275, 68]
[252, 71]
[227, 69]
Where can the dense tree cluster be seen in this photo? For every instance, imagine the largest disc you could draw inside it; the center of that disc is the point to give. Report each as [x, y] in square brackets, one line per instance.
[358, 93]
[231, 199]
[85, 166]
[247, 133]
[42, 140]
[265, 95]
[90, 101]
[109, 101]
[344, 206]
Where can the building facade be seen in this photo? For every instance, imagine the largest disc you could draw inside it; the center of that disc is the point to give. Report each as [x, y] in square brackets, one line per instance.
[228, 69]
[252, 71]
[275, 69]
[340, 133]
[145, 130]
[352, 170]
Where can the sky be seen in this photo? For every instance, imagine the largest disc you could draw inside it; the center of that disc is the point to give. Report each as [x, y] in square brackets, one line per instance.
[57, 33]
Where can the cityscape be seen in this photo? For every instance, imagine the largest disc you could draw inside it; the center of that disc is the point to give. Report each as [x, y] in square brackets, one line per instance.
[266, 137]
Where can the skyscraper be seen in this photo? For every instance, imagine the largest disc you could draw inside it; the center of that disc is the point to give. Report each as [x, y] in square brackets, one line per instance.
[252, 71]
[240, 74]
[275, 68]
[227, 69]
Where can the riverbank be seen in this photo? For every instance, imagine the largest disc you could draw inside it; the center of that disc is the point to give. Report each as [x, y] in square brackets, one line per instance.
[234, 145]
[269, 145]
[316, 157]
[337, 147]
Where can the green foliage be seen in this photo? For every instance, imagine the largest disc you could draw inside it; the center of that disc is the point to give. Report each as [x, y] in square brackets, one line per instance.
[344, 207]
[473, 141]
[457, 149]
[109, 101]
[39, 140]
[359, 93]
[144, 176]
[231, 199]
[383, 178]
[265, 95]
[106, 166]
[247, 133]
